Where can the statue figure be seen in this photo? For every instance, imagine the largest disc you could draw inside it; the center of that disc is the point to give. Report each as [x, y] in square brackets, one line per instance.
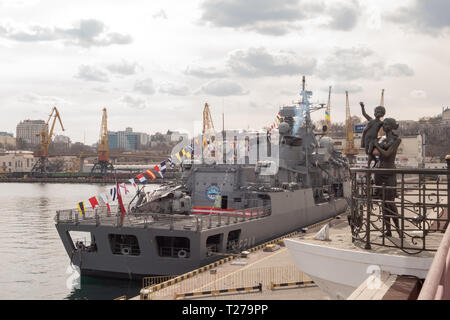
[388, 151]
[370, 133]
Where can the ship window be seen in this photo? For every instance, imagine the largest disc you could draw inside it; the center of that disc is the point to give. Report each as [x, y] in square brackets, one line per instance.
[214, 243]
[175, 247]
[82, 240]
[124, 244]
[233, 239]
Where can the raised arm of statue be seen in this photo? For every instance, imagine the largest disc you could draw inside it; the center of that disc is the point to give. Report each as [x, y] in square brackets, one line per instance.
[364, 112]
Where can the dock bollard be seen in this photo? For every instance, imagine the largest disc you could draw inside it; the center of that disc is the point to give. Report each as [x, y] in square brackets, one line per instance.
[144, 294]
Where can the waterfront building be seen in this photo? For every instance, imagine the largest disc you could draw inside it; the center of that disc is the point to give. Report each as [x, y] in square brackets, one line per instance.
[446, 115]
[28, 131]
[16, 161]
[409, 153]
[124, 140]
[7, 140]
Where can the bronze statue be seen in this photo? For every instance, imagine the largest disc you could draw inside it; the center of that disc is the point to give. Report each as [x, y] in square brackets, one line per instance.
[388, 151]
[370, 133]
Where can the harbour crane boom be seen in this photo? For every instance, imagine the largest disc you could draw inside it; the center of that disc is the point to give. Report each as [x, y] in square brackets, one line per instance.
[208, 125]
[43, 165]
[103, 165]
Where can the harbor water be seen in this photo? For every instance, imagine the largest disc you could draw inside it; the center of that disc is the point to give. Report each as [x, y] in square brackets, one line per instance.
[33, 262]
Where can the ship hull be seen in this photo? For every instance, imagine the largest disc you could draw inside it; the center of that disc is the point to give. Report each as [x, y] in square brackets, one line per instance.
[290, 211]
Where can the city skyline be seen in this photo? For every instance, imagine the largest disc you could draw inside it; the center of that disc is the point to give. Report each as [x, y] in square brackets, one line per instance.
[153, 66]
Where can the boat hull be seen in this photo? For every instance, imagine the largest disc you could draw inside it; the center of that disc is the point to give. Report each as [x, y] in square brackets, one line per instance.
[338, 272]
[290, 212]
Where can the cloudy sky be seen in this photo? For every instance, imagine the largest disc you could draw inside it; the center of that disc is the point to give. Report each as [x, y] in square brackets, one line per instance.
[153, 64]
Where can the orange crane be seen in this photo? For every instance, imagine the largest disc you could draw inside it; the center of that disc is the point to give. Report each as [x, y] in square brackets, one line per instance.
[103, 165]
[208, 125]
[350, 151]
[208, 132]
[43, 165]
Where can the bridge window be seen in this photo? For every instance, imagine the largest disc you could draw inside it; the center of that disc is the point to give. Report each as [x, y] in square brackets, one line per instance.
[124, 244]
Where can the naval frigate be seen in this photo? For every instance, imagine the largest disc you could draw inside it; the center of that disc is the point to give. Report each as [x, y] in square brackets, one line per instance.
[280, 181]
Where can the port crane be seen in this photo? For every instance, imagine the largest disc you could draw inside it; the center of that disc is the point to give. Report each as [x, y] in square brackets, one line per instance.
[208, 132]
[103, 165]
[43, 165]
[208, 125]
[350, 151]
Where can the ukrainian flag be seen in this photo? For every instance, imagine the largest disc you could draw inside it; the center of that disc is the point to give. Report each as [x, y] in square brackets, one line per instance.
[327, 116]
[81, 208]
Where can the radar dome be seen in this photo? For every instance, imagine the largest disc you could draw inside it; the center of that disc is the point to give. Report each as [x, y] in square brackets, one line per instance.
[284, 128]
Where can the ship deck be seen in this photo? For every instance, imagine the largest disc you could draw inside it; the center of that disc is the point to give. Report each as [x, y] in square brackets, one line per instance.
[189, 222]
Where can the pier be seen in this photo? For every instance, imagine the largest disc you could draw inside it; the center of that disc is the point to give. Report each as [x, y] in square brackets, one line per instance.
[268, 266]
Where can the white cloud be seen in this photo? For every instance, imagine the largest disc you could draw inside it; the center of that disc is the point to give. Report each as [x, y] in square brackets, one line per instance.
[123, 68]
[89, 73]
[134, 102]
[259, 62]
[223, 88]
[424, 16]
[359, 63]
[261, 16]
[341, 88]
[175, 89]
[145, 86]
[84, 33]
[34, 98]
[344, 15]
[399, 70]
[418, 94]
[205, 72]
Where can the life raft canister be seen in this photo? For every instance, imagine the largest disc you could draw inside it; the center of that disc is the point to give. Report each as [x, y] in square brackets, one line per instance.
[182, 254]
[125, 250]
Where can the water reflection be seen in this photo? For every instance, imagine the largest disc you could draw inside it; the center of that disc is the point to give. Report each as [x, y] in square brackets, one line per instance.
[104, 289]
[33, 261]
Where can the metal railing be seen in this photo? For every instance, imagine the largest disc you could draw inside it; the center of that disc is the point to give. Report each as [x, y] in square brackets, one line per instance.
[102, 216]
[409, 215]
[151, 281]
[228, 280]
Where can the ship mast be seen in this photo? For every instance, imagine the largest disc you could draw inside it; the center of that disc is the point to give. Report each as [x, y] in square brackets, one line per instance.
[350, 151]
[328, 113]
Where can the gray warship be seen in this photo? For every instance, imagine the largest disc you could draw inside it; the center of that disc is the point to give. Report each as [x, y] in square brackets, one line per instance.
[220, 207]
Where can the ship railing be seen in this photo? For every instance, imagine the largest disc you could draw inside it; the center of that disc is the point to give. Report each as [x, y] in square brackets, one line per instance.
[210, 217]
[411, 215]
[112, 217]
[88, 214]
[103, 216]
